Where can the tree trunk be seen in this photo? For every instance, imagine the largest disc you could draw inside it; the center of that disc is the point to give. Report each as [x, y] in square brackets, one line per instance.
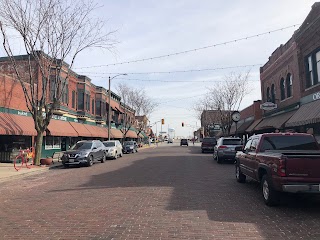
[38, 148]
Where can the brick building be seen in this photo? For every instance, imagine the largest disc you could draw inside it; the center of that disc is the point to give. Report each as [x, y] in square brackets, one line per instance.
[82, 113]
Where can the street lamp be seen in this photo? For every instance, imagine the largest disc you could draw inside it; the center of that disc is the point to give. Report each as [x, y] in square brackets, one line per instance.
[109, 96]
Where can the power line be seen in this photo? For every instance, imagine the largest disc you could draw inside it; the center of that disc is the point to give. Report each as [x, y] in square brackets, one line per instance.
[176, 71]
[192, 50]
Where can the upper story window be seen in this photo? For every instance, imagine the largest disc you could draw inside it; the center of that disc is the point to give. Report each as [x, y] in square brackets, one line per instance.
[87, 102]
[81, 100]
[313, 69]
[273, 94]
[73, 99]
[268, 95]
[289, 85]
[92, 106]
[282, 89]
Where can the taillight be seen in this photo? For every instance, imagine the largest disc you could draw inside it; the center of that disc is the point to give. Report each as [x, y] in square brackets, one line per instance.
[220, 147]
[282, 168]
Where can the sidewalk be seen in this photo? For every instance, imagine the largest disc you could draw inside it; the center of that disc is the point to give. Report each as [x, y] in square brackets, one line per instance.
[8, 172]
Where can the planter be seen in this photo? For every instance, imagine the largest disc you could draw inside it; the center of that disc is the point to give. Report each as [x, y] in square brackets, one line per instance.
[46, 161]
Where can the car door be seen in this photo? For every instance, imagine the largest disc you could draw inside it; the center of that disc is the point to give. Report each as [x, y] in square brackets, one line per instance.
[251, 157]
[100, 150]
[244, 159]
[95, 151]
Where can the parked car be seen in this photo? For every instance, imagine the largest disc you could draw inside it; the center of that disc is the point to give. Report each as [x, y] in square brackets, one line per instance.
[208, 144]
[170, 140]
[130, 147]
[84, 153]
[113, 149]
[225, 149]
[184, 142]
[281, 162]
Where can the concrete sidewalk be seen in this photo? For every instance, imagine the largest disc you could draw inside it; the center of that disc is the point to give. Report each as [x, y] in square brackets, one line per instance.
[8, 172]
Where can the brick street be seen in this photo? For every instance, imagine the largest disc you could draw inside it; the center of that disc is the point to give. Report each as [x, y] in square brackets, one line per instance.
[169, 192]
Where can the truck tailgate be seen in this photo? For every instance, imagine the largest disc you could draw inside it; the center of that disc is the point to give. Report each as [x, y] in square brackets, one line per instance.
[303, 164]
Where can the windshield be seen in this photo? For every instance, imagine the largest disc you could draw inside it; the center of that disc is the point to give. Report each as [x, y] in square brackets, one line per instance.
[128, 143]
[109, 144]
[81, 146]
[231, 142]
[209, 140]
[289, 143]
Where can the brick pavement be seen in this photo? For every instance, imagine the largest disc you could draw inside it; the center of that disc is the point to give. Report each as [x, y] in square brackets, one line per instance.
[163, 193]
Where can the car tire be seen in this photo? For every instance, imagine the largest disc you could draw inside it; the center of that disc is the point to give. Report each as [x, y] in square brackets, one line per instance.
[241, 178]
[90, 161]
[270, 196]
[65, 165]
[121, 154]
[104, 157]
[219, 159]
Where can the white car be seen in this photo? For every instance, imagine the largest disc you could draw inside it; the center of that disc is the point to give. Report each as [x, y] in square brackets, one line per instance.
[113, 149]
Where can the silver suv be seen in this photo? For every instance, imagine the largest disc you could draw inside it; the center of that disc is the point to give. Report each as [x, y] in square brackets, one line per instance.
[84, 153]
[114, 149]
[225, 148]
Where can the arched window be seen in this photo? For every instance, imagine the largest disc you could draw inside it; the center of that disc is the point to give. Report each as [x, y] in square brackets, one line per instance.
[273, 94]
[268, 94]
[282, 89]
[289, 84]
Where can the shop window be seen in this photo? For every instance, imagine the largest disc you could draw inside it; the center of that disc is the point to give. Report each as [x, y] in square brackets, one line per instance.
[52, 142]
[282, 89]
[289, 85]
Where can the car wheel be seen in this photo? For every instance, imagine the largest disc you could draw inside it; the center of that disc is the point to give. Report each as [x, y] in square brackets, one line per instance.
[103, 158]
[241, 178]
[65, 165]
[270, 196]
[90, 161]
[115, 156]
[219, 159]
[121, 154]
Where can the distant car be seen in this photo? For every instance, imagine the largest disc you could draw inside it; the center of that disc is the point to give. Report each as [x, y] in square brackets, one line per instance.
[170, 140]
[84, 153]
[113, 149]
[226, 148]
[184, 142]
[130, 147]
[208, 144]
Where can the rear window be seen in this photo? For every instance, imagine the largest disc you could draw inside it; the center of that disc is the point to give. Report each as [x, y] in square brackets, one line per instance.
[209, 140]
[231, 142]
[289, 143]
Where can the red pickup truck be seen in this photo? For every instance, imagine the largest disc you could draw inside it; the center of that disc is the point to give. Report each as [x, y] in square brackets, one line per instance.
[281, 162]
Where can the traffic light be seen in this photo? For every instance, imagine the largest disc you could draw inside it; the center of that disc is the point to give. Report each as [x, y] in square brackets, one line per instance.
[182, 124]
[162, 121]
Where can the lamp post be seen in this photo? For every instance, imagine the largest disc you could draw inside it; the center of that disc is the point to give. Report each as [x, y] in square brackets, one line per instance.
[109, 97]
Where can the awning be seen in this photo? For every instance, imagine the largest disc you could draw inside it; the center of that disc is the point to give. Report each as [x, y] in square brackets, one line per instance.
[61, 128]
[131, 134]
[81, 129]
[276, 122]
[253, 125]
[116, 133]
[244, 126]
[307, 114]
[11, 124]
[96, 131]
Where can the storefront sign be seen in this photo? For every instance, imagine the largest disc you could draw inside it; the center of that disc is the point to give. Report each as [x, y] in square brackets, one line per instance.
[22, 113]
[316, 96]
[268, 106]
[62, 118]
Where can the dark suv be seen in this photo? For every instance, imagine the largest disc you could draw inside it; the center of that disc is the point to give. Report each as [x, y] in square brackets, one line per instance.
[184, 142]
[208, 144]
[130, 147]
[84, 153]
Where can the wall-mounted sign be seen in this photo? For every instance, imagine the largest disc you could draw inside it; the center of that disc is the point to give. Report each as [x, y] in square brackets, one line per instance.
[268, 106]
[22, 113]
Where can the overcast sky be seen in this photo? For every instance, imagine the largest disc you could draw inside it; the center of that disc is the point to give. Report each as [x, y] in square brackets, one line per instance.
[152, 28]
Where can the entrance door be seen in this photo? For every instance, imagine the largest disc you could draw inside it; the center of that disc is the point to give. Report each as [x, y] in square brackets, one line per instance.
[63, 143]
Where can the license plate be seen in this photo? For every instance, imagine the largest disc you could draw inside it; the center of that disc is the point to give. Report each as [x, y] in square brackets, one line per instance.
[71, 160]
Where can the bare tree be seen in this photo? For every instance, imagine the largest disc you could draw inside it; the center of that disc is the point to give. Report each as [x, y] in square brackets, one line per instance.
[136, 99]
[51, 31]
[224, 97]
